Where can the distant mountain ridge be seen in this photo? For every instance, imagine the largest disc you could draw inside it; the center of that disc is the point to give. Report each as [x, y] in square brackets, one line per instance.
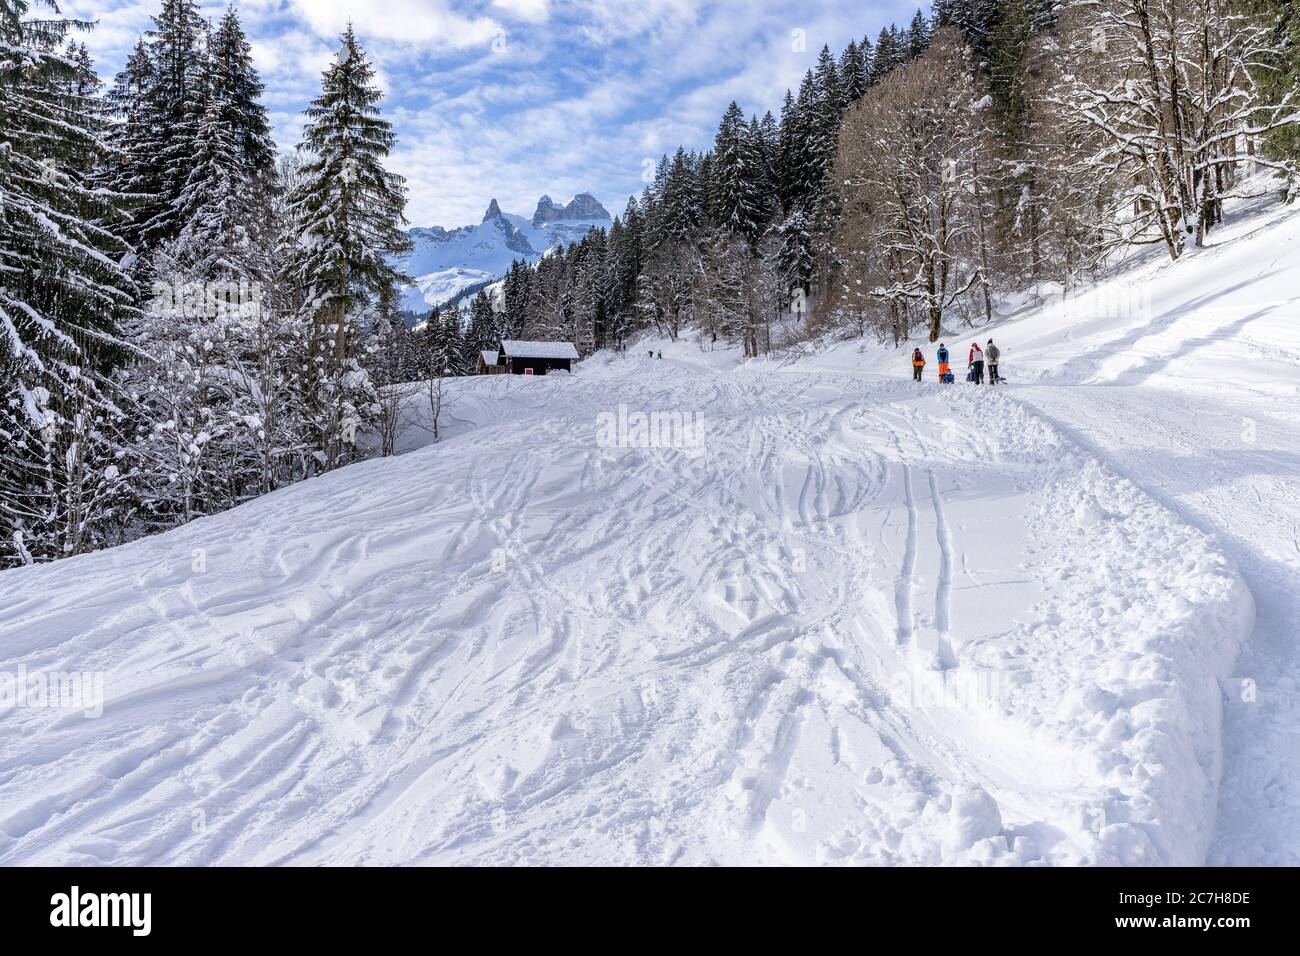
[444, 262]
[584, 207]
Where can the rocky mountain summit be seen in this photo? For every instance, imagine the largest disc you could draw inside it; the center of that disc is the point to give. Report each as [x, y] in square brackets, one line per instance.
[443, 262]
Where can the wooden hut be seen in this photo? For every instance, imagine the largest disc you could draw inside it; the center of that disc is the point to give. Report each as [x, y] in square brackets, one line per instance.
[537, 358]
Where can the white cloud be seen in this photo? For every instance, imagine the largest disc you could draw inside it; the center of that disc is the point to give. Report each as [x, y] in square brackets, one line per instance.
[583, 92]
[430, 23]
[534, 11]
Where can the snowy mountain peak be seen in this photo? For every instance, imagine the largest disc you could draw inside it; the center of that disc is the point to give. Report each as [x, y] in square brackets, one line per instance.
[547, 211]
[583, 207]
[586, 206]
[445, 262]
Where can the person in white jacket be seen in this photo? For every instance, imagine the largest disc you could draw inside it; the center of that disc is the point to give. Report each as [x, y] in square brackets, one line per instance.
[991, 354]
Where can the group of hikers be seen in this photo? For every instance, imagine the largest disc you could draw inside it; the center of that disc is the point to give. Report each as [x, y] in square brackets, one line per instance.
[974, 363]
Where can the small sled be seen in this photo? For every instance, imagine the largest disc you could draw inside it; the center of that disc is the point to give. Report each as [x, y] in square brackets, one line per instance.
[947, 378]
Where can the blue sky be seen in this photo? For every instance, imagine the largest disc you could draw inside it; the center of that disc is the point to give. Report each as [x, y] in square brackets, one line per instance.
[515, 98]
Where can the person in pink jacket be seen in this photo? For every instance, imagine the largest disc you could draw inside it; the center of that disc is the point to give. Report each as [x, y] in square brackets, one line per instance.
[976, 363]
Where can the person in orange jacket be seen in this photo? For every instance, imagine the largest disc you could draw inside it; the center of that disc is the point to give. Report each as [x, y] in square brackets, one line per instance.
[918, 364]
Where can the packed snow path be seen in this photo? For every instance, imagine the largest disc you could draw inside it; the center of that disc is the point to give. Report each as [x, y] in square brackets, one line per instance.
[856, 621]
[1232, 470]
[1194, 393]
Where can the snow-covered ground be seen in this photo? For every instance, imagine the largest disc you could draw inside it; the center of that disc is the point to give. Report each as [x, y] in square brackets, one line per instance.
[1200, 406]
[1185, 378]
[835, 617]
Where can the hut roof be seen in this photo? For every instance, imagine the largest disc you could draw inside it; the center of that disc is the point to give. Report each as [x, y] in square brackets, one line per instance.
[539, 350]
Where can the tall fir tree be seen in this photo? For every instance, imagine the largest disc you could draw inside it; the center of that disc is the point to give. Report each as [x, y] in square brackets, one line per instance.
[63, 298]
[173, 110]
[130, 136]
[853, 75]
[918, 36]
[217, 208]
[736, 182]
[824, 122]
[346, 214]
[887, 54]
[790, 158]
[233, 82]
[348, 209]
[444, 343]
[765, 137]
[221, 209]
[481, 335]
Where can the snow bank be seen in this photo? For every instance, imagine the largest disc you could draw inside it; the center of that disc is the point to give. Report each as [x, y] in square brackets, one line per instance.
[1123, 662]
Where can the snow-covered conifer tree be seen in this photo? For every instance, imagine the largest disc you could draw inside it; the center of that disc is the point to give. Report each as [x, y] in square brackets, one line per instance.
[737, 180]
[347, 217]
[172, 108]
[221, 210]
[63, 298]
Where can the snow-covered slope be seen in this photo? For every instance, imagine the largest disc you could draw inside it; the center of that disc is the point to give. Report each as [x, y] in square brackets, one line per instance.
[1186, 378]
[826, 631]
[443, 262]
[836, 617]
[1200, 405]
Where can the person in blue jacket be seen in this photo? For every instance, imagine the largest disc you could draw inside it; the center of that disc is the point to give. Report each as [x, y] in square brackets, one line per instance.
[942, 356]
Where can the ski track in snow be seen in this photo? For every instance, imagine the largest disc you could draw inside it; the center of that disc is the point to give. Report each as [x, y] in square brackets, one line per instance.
[519, 646]
[867, 622]
[906, 580]
[943, 594]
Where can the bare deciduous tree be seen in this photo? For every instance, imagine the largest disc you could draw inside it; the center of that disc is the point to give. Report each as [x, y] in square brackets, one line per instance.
[909, 176]
[1169, 90]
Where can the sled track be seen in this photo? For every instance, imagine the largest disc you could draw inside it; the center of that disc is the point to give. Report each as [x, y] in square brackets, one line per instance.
[943, 593]
[906, 580]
